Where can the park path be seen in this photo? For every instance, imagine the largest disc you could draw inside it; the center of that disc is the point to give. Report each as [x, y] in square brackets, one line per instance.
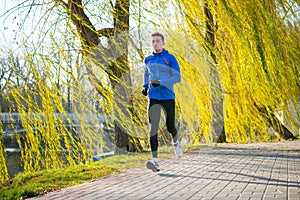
[244, 171]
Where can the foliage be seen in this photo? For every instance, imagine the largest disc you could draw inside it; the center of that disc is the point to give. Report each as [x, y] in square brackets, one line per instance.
[3, 160]
[257, 55]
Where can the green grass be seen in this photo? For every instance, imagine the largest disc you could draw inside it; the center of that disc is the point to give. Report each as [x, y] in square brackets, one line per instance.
[32, 184]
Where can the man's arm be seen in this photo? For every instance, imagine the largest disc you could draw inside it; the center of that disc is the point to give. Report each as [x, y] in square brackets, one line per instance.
[175, 73]
[146, 77]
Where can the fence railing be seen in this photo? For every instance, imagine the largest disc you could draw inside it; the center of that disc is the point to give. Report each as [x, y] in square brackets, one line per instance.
[16, 118]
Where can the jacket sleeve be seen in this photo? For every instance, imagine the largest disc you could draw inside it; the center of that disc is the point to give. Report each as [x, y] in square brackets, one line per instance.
[146, 76]
[175, 73]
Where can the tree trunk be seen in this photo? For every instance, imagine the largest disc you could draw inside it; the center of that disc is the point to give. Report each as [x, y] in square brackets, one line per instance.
[121, 139]
[217, 121]
[113, 59]
[275, 123]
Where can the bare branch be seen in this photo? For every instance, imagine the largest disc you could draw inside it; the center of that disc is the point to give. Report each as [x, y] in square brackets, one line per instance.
[107, 32]
[139, 50]
[63, 3]
[88, 34]
[111, 3]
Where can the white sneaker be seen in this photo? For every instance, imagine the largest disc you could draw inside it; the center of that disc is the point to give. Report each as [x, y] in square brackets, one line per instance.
[178, 150]
[153, 166]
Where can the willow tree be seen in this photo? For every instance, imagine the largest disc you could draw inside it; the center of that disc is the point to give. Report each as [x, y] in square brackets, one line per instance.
[256, 52]
[105, 57]
[39, 100]
[70, 54]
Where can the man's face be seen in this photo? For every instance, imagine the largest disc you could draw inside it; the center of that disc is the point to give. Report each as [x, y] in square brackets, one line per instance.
[157, 44]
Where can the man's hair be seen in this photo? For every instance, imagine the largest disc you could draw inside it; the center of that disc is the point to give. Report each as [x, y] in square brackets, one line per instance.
[158, 34]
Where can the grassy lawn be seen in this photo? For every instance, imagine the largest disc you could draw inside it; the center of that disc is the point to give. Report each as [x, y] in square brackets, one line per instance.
[29, 185]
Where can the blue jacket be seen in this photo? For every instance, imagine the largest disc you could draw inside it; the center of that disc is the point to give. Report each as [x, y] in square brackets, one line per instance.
[161, 66]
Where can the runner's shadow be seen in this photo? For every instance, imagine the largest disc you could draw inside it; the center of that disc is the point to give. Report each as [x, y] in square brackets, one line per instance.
[255, 180]
[169, 175]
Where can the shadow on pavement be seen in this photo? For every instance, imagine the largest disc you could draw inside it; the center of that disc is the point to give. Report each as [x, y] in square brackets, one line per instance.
[255, 152]
[253, 179]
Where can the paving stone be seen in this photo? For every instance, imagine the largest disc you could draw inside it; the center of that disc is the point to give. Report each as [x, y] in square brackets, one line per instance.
[242, 172]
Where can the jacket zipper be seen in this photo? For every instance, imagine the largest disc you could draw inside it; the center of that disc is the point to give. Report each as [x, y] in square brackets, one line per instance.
[158, 91]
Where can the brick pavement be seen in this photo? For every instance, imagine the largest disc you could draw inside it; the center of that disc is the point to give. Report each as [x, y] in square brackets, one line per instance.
[245, 171]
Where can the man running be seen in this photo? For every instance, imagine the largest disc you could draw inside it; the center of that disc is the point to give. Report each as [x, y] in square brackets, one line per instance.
[161, 73]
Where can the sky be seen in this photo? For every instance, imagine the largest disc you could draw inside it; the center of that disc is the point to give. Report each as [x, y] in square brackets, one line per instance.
[9, 23]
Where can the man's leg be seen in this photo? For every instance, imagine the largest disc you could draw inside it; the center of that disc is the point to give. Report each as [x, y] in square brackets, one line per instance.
[169, 107]
[154, 117]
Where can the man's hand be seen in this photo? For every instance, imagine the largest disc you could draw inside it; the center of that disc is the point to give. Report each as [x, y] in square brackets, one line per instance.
[155, 83]
[145, 91]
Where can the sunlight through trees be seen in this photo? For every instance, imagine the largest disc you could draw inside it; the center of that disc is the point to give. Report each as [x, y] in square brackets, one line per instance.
[239, 62]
